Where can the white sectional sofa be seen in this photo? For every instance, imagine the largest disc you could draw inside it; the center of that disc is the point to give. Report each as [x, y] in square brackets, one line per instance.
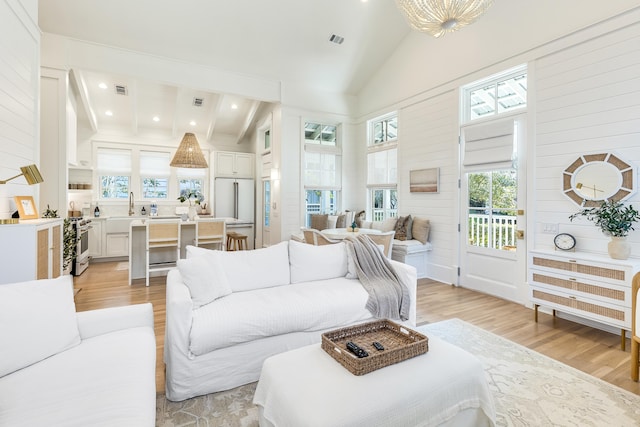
[62, 368]
[228, 311]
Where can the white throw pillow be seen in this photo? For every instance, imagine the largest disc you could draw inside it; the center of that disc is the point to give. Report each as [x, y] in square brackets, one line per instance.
[37, 320]
[256, 269]
[205, 278]
[310, 262]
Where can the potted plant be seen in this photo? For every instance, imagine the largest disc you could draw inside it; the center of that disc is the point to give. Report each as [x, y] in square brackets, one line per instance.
[194, 197]
[69, 241]
[615, 220]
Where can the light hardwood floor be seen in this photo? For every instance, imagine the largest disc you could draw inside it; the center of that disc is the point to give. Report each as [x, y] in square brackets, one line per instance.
[591, 350]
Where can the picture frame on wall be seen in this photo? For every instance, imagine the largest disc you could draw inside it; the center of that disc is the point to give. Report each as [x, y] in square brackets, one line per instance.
[26, 207]
[424, 180]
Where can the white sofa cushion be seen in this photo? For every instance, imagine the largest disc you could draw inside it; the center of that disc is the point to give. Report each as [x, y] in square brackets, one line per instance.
[310, 262]
[410, 246]
[37, 320]
[205, 278]
[247, 270]
[107, 380]
[248, 316]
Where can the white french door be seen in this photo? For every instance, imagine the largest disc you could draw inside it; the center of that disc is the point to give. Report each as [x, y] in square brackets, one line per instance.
[493, 199]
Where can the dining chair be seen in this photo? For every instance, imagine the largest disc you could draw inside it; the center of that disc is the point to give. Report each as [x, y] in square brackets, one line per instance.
[314, 237]
[163, 246]
[210, 232]
[384, 239]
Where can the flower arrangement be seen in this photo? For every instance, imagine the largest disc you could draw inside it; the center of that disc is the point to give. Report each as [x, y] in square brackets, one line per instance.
[194, 197]
[613, 217]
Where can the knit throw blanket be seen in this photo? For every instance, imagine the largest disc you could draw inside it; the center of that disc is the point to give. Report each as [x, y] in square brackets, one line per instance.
[388, 298]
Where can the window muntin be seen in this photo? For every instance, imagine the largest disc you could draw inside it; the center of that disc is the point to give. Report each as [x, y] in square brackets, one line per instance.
[498, 94]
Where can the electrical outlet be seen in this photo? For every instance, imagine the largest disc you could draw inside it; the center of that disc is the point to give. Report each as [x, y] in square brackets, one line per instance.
[548, 228]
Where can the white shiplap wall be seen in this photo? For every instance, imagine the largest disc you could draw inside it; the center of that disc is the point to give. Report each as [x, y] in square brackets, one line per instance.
[428, 138]
[587, 100]
[19, 71]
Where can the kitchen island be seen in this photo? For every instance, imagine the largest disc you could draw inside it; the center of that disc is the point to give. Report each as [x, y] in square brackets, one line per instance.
[138, 243]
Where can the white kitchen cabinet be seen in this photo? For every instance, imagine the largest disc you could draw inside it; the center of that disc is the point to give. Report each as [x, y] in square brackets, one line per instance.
[116, 235]
[31, 250]
[117, 245]
[234, 165]
[584, 285]
[95, 238]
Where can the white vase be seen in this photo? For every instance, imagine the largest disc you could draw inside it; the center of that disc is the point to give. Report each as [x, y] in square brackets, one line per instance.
[619, 248]
[192, 213]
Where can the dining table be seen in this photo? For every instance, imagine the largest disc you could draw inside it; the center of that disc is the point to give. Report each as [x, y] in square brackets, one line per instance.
[342, 233]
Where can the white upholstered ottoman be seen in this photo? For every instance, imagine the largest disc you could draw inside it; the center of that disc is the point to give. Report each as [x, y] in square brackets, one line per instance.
[306, 387]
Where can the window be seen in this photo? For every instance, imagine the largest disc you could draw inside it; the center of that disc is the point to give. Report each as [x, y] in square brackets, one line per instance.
[322, 169]
[114, 170]
[191, 180]
[492, 209]
[267, 140]
[321, 134]
[266, 196]
[382, 168]
[385, 203]
[154, 174]
[385, 129]
[498, 94]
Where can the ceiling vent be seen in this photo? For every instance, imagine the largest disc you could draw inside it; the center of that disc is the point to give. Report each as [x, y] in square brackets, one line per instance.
[197, 102]
[336, 39]
[121, 90]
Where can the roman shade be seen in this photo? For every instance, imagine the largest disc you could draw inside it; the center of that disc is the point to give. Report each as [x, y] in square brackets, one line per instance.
[489, 145]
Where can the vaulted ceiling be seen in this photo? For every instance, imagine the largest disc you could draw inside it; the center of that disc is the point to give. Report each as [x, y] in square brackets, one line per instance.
[279, 40]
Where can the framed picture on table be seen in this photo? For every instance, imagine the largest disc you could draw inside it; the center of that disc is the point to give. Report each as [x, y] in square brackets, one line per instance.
[26, 207]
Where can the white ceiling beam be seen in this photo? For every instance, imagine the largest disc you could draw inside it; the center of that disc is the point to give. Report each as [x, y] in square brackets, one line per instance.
[213, 115]
[253, 108]
[81, 84]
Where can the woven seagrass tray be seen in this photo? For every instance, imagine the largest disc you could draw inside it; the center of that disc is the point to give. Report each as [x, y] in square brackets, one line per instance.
[400, 343]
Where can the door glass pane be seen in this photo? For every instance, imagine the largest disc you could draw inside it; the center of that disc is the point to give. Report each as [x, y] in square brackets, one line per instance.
[267, 203]
[492, 209]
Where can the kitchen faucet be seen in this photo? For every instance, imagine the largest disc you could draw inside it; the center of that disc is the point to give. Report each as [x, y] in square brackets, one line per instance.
[131, 203]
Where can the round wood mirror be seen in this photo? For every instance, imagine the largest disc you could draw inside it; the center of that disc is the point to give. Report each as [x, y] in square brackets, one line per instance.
[594, 178]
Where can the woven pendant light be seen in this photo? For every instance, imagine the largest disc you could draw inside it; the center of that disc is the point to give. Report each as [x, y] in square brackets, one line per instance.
[438, 17]
[189, 154]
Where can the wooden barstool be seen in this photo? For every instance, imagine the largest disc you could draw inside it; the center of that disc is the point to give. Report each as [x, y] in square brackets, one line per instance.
[236, 241]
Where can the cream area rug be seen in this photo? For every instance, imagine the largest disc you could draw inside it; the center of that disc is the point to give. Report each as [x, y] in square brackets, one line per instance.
[529, 388]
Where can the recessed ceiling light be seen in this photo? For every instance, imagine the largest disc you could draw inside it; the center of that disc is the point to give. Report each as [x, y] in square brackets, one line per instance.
[156, 118]
[234, 106]
[103, 86]
[109, 113]
[192, 122]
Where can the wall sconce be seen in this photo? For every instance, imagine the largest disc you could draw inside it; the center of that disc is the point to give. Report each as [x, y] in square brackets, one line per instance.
[32, 176]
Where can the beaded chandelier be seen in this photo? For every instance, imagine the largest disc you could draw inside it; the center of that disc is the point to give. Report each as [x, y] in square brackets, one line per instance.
[438, 17]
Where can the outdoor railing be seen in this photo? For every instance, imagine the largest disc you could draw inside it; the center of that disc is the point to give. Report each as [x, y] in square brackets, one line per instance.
[502, 235]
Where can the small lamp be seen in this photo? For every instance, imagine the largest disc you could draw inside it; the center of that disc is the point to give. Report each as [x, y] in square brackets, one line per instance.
[32, 176]
[189, 154]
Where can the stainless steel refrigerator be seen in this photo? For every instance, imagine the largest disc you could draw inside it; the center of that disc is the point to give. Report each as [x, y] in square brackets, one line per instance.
[234, 198]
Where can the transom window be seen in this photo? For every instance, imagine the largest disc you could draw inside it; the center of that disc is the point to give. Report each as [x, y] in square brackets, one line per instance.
[498, 94]
[384, 129]
[322, 134]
